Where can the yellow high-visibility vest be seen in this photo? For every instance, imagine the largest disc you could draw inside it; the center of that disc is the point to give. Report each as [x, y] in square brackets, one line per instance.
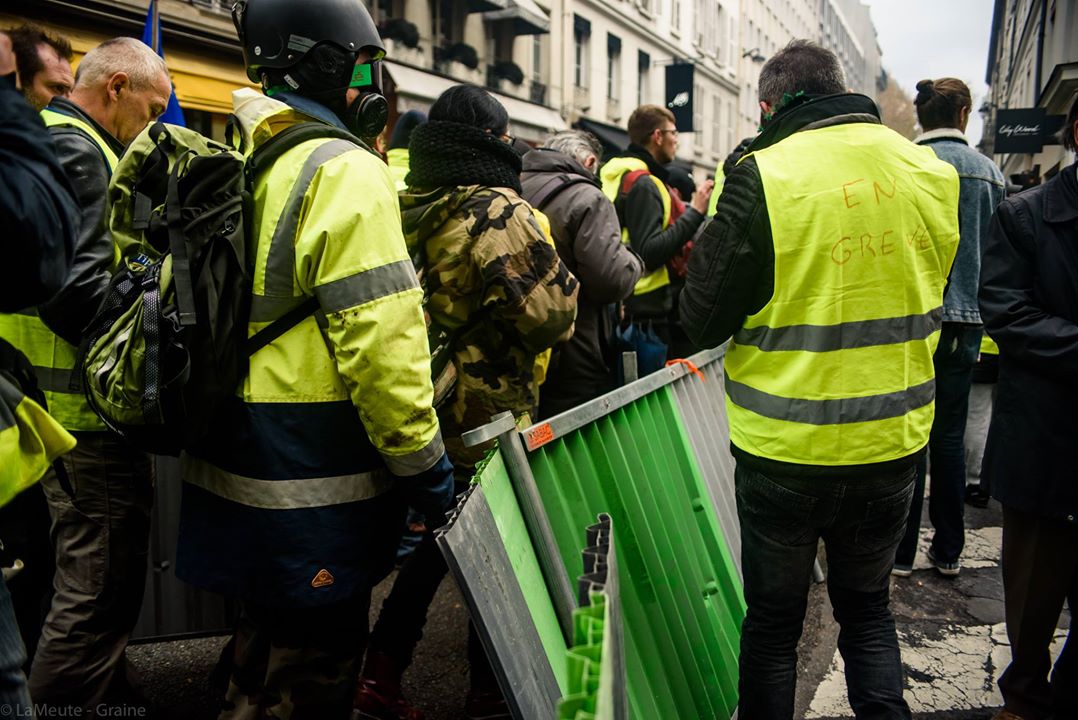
[611, 176]
[988, 345]
[398, 162]
[836, 369]
[53, 357]
[720, 178]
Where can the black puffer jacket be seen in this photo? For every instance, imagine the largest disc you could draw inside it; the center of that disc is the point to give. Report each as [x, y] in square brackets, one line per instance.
[588, 238]
[91, 268]
[38, 213]
[1029, 304]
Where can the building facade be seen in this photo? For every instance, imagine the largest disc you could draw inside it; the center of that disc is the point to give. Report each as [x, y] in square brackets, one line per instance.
[766, 26]
[613, 55]
[552, 63]
[1032, 64]
[846, 28]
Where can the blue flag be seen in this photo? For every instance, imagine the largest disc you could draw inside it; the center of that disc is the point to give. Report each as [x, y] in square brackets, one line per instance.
[151, 35]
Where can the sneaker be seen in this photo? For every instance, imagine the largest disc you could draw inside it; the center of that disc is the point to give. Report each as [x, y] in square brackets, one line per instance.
[902, 570]
[947, 569]
[976, 496]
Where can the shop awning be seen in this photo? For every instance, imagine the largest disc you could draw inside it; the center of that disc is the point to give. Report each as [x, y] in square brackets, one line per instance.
[486, 5]
[613, 138]
[526, 16]
[417, 89]
[1060, 88]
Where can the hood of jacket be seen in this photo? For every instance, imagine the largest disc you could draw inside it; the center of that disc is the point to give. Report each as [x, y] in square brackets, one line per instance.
[425, 212]
[260, 117]
[552, 161]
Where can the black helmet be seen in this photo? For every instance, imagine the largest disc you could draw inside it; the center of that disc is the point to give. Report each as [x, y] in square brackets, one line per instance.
[276, 34]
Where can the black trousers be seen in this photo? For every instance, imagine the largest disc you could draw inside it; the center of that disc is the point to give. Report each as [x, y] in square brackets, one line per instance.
[295, 663]
[1040, 570]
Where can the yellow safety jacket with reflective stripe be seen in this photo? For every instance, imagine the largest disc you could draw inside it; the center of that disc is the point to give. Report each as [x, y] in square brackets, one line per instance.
[30, 441]
[836, 369]
[288, 499]
[611, 176]
[53, 357]
[327, 224]
[988, 345]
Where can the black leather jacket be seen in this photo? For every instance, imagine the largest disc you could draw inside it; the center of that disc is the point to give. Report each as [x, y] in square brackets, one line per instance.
[84, 163]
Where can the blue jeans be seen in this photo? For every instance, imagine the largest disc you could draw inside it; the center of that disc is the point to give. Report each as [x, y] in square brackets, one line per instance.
[954, 360]
[14, 697]
[782, 520]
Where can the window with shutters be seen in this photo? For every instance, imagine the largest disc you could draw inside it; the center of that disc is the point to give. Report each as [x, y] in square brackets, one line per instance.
[613, 66]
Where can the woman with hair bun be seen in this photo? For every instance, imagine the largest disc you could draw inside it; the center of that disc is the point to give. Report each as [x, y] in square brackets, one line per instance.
[943, 109]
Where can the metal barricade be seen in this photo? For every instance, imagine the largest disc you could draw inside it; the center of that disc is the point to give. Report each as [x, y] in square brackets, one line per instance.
[631, 455]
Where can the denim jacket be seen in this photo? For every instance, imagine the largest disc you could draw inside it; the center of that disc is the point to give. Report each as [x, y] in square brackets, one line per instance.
[980, 191]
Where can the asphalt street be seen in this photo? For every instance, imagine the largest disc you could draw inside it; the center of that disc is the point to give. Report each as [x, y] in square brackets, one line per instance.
[953, 645]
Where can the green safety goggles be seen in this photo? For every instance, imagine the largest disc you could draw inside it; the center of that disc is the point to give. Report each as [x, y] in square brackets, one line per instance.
[367, 75]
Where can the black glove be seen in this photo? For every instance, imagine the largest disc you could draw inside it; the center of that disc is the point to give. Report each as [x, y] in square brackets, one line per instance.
[432, 492]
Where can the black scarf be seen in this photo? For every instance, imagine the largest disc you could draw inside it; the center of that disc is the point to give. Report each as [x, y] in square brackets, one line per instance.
[447, 153]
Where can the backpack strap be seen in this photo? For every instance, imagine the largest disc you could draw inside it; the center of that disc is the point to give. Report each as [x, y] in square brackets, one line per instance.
[281, 325]
[553, 187]
[630, 178]
[268, 152]
[627, 181]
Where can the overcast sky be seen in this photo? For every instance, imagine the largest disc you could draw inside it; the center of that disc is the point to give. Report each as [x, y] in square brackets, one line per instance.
[936, 38]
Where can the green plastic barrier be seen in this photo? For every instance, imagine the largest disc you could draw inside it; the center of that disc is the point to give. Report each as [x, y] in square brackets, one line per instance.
[596, 662]
[681, 598]
[586, 670]
[498, 491]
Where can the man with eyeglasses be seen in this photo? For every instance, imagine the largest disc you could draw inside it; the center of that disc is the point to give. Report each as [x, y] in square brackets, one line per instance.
[636, 182]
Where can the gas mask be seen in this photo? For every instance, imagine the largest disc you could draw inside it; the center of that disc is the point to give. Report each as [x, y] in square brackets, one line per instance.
[325, 75]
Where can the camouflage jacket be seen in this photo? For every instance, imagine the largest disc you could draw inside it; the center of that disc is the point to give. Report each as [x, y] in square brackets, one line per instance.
[496, 289]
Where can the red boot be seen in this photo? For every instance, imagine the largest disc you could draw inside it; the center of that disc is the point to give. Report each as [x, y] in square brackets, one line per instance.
[378, 694]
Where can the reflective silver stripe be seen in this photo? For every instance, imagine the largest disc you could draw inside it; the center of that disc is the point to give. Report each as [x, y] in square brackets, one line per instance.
[366, 286]
[265, 308]
[417, 462]
[844, 336]
[286, 494]
[281, 262]
[832, 412]
[53, 380]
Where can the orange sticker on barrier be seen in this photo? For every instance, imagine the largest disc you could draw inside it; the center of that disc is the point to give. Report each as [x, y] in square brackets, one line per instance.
[538, 436]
